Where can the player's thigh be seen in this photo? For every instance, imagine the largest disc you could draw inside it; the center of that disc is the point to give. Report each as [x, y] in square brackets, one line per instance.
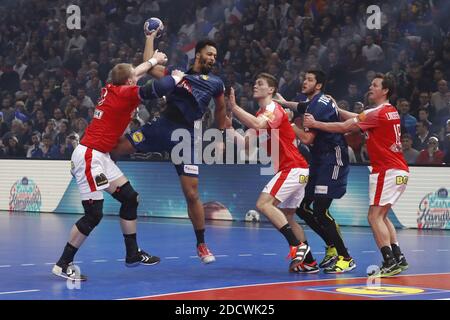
[386, 187]
[331, 181]
[288, 187]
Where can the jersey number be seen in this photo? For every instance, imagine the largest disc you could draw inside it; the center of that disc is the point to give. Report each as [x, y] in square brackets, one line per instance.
[103, 96]
[397, 131]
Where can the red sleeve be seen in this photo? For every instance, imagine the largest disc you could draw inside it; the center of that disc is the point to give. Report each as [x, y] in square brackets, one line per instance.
[274, 117]
[368, 119]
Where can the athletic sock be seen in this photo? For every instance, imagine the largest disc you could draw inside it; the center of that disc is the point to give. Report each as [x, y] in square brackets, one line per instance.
[200, 235]
[131, 244]
[287, 232]
[67, 255]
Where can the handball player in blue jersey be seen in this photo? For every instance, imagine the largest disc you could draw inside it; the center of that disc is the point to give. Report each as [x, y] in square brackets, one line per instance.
[329, 169]
[185, 108]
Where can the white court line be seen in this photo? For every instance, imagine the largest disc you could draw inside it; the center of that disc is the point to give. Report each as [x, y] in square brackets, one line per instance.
[22, 291]
[50, 263]
[272, 229]
[417, 250]
[221, 255]
[319, 252]
[245, 254]
[171, 257]
[27, 264]
[101, 260]
[120, 260]
[5, 266]
[368, 251]
[442, 250]
[192, 257]
[272, 283]
[269, 254]
[77, 262]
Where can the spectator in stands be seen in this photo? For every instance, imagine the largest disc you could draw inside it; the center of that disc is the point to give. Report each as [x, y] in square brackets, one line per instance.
[408, 122]
[409, 152]
[432, 154]
[3, 126]
[14, 149]
[438, 98]
[422, 135]
[35, 150]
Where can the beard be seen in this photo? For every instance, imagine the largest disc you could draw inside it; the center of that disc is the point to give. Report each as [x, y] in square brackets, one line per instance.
[205, 68]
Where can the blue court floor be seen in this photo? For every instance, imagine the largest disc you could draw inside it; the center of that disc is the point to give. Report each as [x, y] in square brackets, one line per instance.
[248, 255]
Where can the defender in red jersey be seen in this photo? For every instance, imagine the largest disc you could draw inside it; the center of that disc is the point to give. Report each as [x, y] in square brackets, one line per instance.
[281, 196]
[94, 170]
[390, 172]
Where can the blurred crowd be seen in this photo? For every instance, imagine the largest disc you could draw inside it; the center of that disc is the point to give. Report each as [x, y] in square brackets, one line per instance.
[51, 76]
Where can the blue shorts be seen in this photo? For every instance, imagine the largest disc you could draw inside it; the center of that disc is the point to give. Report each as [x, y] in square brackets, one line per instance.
[155, 136]
[327, 181]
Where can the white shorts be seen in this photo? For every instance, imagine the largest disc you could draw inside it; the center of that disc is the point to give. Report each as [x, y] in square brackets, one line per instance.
[93, 170]
[387, 187]
[288, 187]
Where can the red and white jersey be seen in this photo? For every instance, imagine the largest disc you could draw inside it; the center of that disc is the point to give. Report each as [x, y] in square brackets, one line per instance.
[382, 128]
[112, 115]
[289, 156]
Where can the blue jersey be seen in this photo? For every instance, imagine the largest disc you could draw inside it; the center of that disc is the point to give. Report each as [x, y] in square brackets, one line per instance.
[190, 99]
[328, 148]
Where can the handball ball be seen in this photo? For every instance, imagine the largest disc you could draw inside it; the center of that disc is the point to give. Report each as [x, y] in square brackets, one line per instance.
[252, 216]
[151, 25]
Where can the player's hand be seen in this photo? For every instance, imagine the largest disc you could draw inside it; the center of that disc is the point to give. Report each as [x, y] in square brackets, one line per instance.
[160, 57]
[279, 99]
[177, 74]
[309, 121]
[232, 99]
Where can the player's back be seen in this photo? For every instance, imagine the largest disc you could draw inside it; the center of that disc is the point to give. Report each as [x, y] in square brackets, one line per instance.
[383, 132]
[280, 128]
[112, 115]
[190, 99]
[328, 148]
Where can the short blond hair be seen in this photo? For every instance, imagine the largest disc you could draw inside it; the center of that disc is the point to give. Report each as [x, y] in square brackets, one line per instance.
[121, 73]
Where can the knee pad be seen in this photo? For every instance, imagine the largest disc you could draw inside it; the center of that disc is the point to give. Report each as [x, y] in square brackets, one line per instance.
[93, 214]
[128, 197]
[321, 212]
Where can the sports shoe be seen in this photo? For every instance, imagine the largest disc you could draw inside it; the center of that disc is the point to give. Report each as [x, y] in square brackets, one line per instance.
[402, 263]
[304, 267]
[297, 255]
[68, 271]
[143, 258]
[388, 269]
[341, 266]
[331, 256]
[204, 254]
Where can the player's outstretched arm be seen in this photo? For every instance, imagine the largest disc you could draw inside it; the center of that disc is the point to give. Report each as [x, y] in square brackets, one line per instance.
[157, 71]
[284, 103]
[158, 88]
[249, 120]
[334, 127]
[157, 59]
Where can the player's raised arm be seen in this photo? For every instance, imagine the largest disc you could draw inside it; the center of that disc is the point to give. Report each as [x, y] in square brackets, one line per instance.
[159, 70]
[334, 127]
[161, 87]
[249, 120]
[293, 105]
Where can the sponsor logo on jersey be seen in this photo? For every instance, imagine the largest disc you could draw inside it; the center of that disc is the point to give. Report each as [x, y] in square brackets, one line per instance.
[190, 169]
[434, 210]
[401, 180]
[25, 196]
[101, 180]
[321, 190]
[204, 77]
[303, 179]
[98, 114]
[137, 137]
